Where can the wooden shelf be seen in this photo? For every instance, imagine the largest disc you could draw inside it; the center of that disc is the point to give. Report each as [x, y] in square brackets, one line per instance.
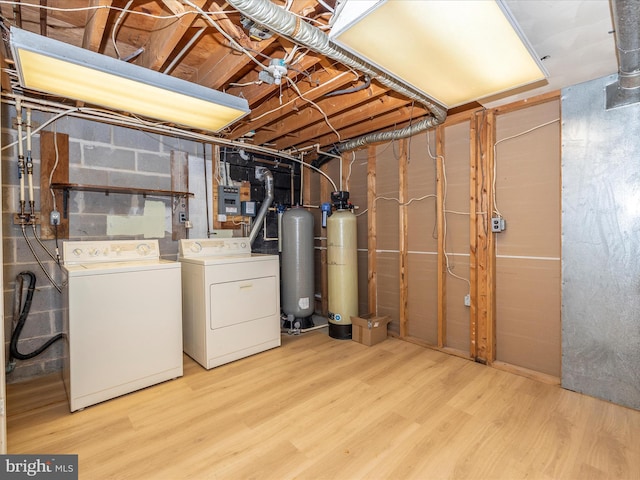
[124, 190]
[67, 187]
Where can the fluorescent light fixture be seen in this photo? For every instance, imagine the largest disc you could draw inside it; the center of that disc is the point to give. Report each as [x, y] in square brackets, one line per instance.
[54, 67]
[453, 51]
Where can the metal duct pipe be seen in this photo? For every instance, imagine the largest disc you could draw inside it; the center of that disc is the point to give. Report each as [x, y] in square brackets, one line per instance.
[265, 176]
[405, 132]
[626, 21]
[292, 27]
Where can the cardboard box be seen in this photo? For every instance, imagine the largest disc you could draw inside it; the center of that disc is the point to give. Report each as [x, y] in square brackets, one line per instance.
[369, 329]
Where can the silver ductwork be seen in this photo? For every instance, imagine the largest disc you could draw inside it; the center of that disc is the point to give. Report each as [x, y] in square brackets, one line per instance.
[264, 175]
[405, 132]
[626, 21]
[298, 31]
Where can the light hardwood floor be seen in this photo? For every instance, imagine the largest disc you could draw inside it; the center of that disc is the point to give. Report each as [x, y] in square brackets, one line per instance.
[319, 408]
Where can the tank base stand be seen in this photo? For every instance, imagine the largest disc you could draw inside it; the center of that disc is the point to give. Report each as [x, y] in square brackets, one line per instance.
[299, 323]
[340, 332]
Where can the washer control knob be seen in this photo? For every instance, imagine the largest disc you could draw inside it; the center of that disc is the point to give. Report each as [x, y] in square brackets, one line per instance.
[143, 249]
[77, 252]
[195, 247]
[243, 245]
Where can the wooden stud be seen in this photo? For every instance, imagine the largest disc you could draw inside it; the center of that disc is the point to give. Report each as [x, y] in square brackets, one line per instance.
[485, 247]
[232, 221]
[372, 241]
[215, 163]
[306, 183]
[54, 155]
[473, 232]
[491, 247]
[179, 182]
[325, 193]
[17, 13]
[442, 261]
[527, 103]
[403, 196]
[482, 233]
[166, 36]
[43, 18]
[3, 390]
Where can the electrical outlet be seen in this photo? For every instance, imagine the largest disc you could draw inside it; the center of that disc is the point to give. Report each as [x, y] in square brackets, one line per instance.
[498, 224]
[467, 300]
[54, 217]
[182, 217]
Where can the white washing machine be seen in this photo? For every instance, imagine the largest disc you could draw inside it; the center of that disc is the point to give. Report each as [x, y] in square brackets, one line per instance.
[230, 300]
[122, 319]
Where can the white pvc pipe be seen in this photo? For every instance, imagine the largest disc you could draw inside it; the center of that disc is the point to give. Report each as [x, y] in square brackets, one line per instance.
[20, 154]
[30, 165]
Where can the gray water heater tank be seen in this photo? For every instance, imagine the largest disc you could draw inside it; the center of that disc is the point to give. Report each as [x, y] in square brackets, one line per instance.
[297, 263]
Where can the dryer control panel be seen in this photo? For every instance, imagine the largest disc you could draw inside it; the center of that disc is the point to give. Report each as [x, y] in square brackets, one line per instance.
[215, 247]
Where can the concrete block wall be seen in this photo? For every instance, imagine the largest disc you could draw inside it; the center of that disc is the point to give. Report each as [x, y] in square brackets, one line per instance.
[99, 154]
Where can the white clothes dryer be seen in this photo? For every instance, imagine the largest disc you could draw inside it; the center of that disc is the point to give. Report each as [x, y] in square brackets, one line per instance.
[122, 319]
[230, 300]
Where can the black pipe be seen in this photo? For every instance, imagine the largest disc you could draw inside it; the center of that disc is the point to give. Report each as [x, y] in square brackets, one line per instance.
[13, 347]
[322, 159]
[367, 82]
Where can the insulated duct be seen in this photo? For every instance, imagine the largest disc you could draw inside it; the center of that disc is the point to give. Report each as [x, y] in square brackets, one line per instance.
[626, 21]
[265, 176]
[298, 31]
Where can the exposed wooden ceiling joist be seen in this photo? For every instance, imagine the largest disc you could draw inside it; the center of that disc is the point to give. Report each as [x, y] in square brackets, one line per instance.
[293, 114]
[95, 27]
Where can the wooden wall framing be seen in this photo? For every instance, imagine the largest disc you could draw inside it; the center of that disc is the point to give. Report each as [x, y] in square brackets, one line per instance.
[482, 242]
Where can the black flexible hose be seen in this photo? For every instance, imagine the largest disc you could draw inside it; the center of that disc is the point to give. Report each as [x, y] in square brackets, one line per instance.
[367, 82]
[13, 347]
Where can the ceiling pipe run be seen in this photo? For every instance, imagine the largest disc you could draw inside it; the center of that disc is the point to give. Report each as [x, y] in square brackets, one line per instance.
[297, 30]
[626, 21]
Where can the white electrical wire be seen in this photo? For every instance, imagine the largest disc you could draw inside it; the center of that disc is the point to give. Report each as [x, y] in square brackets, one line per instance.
[326, 119]
[246, 84]
[294, 99]
[94, 7]
[327, 6]
[196, 11]
[495, 158]
[298, 58]
[114, 30]
[55, 166]
[353, 159]
[400, 204]
[214, 24]
[94, 114]
[444, 211]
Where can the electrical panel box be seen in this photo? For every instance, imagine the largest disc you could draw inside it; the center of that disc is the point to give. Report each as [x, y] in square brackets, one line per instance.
[228, 200]
[248, 209]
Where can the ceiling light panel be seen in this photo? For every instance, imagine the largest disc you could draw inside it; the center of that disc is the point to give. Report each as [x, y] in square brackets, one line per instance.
[452, 51]
[57, 68]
